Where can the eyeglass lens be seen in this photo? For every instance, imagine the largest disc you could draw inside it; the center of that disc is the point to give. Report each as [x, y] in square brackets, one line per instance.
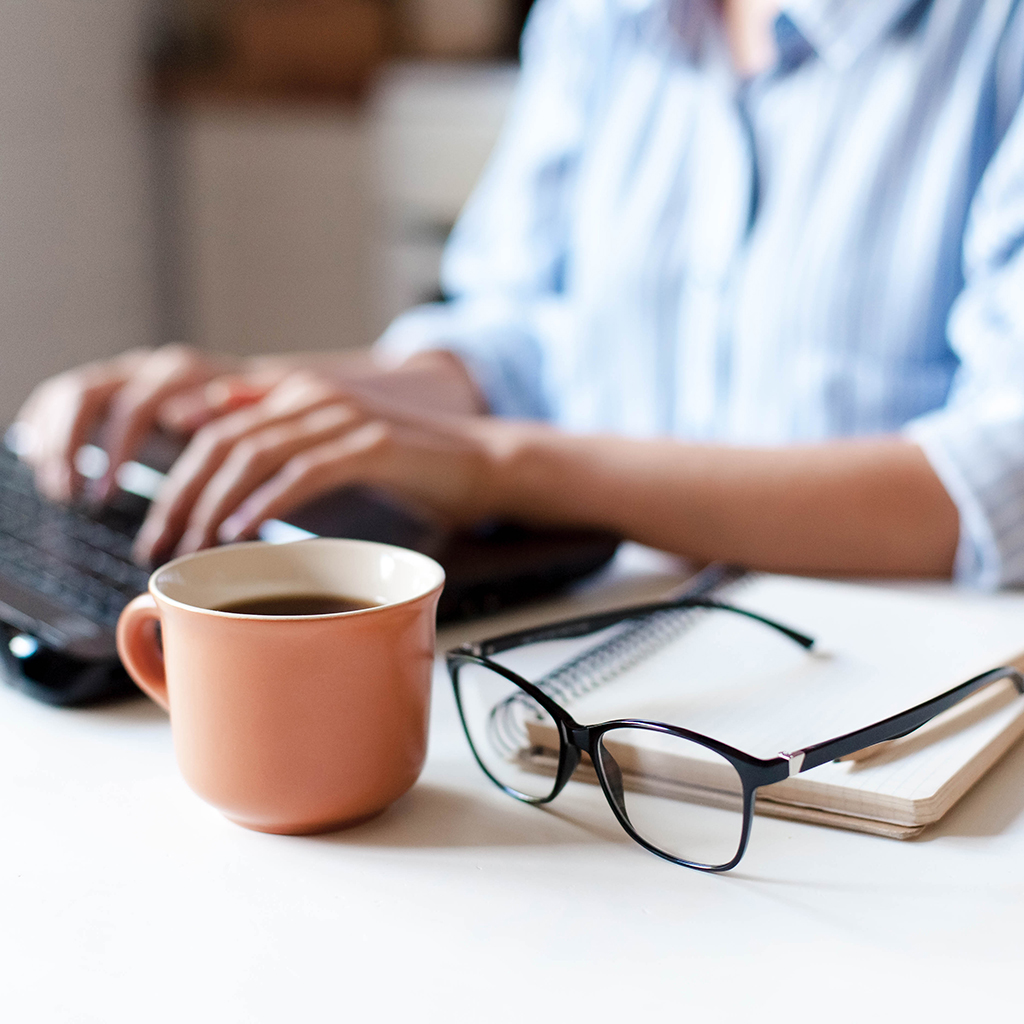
[681, 797]
[514, 738]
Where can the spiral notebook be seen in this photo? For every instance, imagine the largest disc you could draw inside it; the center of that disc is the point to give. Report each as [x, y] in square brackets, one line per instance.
[879, 651]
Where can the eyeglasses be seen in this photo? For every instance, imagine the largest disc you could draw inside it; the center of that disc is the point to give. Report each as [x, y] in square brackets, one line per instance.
[530, 746]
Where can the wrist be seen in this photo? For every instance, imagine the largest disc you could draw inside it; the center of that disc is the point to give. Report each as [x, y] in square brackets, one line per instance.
[641, 489]
[536, 473]
[444, 381]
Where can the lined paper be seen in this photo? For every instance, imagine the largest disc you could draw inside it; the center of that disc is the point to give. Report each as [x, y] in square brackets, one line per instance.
[879, 651]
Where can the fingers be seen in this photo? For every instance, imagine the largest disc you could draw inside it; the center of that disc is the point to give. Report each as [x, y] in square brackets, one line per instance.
[253, 461]
[186, 412]
[303, 439]
[120, 397]
[61, 415]
[229, 457]
[358, 456]
[437, 464]
[68, 426]
[135, 408]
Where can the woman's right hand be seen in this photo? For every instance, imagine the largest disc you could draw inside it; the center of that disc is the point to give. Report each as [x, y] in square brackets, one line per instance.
[118, 402]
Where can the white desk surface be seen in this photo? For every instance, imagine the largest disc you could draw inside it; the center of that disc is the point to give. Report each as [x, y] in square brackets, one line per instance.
[123, 898]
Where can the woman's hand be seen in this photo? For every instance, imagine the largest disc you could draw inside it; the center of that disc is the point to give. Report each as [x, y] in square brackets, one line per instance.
[118, 402]
[867, 506]
[308, 436]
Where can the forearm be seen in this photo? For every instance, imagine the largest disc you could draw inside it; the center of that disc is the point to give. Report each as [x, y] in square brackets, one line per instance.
[861, 507]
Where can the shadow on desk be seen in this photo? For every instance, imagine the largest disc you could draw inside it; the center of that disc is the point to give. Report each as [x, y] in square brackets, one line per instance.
[135, 710]
[446, 811]
[433, 814]
[991, 807]
[448, 808]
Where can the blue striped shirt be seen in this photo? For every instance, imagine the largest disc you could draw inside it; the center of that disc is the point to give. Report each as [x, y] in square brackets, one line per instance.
[833, 248]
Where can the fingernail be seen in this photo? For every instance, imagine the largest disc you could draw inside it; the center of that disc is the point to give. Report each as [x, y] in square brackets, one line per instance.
[145, 543]
[45, 484]
[230, 529]
[95, 493]
[104, 487]
[55, 484]
[141, 554]
[192, 540]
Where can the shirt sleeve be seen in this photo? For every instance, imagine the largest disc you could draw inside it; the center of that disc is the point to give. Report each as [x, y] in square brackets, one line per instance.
[975, 443]
[504, 264]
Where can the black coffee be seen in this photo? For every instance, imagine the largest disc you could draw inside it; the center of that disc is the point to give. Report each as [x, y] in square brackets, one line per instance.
[297, 604]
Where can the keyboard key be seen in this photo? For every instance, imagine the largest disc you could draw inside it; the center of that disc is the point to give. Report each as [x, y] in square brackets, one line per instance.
[61, 552]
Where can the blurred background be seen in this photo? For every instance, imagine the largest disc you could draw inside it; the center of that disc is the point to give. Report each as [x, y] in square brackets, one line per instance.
[245, 175]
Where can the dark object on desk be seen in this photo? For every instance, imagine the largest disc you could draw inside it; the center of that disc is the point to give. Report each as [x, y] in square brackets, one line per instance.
[65, 575]
[56, 677]
[487, 568]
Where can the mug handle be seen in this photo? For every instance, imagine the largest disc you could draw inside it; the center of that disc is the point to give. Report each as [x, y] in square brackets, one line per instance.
[139, 651]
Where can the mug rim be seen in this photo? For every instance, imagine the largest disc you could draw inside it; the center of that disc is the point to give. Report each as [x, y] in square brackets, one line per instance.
[159, 595]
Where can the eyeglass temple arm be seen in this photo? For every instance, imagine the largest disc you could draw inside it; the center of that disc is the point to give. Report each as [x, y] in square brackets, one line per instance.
[593, 623]
[902, 724]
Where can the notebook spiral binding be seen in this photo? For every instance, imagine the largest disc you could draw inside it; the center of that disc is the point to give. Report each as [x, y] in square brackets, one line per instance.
[634, 641]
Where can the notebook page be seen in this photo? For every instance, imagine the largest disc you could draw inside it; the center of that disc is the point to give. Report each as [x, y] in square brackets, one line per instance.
[919, 784]
[880, 650]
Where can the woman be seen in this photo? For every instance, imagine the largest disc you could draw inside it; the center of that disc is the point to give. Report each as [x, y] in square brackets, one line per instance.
[741, 283]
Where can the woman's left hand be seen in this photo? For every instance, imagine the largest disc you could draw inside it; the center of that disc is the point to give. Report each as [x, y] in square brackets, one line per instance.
[307, 437]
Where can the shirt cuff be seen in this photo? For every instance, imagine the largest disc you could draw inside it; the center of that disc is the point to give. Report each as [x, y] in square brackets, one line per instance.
[981, 465]
[504, 360]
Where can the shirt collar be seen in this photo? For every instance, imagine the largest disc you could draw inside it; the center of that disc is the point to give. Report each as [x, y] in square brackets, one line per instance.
[841, 30]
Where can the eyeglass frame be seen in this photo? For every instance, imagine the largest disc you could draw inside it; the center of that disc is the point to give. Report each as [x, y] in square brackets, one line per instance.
[754, 772]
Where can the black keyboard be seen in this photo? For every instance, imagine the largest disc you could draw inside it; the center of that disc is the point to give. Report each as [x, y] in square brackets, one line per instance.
[66, 574]
[76, 561]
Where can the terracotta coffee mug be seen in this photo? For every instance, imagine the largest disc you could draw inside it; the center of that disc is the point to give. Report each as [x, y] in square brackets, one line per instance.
[291, 723]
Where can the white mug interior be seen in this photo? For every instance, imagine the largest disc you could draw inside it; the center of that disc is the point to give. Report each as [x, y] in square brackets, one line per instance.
[377, 574]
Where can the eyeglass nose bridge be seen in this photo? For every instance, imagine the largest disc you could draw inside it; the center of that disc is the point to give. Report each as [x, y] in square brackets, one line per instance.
[577, 744]
[582, 741]
[579, 736]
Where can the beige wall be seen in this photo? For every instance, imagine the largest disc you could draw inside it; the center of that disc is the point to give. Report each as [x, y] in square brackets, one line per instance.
[311, 227]
[76, 212]
[279, 227]
[274, 227]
